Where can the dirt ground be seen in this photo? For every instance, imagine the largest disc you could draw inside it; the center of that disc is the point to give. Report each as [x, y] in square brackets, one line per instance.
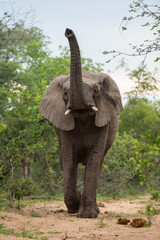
[41, 221]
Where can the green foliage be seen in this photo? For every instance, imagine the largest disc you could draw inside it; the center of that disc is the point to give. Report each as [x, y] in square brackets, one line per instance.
[35, 214]
[155, 194]
[143, 116]
[120, 166]
[29, 161]
[100, 223]
[44, 238]
[131, 163]
[3, 202]
[141, 119]
[24, 233]
[150, 210]
[145, 82]
[5, 231]
[54, 232]
[1, 172]
[140, 9]
[29, 145]
[20, 188]
[2, 127]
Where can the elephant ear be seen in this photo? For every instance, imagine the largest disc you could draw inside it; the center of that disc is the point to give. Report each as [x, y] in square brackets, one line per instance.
[53, 106]
[110, 105]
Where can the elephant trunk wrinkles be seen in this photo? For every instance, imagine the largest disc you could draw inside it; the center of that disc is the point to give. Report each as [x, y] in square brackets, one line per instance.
[77, 99]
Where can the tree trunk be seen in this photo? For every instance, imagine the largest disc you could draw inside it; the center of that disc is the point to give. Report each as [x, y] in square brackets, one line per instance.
[26, 166]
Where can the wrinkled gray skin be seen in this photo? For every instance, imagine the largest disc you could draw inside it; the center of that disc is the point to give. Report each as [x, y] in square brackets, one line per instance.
[85, 134]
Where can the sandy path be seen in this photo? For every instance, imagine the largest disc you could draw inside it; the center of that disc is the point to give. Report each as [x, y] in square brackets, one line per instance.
[43, 223]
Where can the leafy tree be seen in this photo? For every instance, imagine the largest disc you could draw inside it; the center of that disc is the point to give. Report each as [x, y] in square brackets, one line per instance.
[142, 117]
[120, 166]
[148, 157]
[19, 189]
[131, 165]
[145, 82]
[29, 146]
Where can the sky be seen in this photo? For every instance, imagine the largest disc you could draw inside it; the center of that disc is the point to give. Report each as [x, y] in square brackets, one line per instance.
[96, 24]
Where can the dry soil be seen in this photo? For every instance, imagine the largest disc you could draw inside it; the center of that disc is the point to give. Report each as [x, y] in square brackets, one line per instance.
[42, 221]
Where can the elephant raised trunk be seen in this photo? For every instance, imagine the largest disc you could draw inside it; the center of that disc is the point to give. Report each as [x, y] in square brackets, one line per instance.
[77, 98]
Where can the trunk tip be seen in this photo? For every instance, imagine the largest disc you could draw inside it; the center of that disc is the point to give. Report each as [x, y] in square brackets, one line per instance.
[68, 33]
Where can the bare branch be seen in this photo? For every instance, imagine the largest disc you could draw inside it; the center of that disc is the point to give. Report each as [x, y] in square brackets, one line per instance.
[139, 9]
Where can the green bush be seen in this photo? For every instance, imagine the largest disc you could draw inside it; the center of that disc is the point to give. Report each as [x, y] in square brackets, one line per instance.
[130, 164]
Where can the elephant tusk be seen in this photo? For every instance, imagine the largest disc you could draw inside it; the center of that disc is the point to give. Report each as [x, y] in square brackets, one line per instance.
[68, 111]
[94, 109]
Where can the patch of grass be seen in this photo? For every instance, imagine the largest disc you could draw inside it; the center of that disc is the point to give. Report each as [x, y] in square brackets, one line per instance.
[111, 215]
[31, 202]
[22, 205]
[3, 201]
[100, 223]
[150, 210]
[59, 196]
[25, 234]
[39, 233]
[5, 231]
[155, 195]
[105, 197]
[35, 214]
[147, 223]
[44, 238]
[22, 213]
[54, 232]
[60, 218]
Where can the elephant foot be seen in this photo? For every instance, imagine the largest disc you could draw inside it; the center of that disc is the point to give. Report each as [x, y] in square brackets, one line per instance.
[73, 202]
[88, 212]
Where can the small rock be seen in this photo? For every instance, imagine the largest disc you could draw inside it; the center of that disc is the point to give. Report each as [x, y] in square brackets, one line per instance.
[106, 212]
[138, 222]
[100, 204]
[58, 211]
[116, 198]
[123, 221]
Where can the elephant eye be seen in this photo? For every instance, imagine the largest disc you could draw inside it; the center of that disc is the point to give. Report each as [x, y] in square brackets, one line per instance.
[96, 90]
[65, 93]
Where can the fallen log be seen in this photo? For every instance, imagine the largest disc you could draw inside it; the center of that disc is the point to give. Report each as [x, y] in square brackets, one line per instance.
[40, 197]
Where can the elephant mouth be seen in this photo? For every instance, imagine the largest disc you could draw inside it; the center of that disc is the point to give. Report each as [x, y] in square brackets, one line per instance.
[91, 111]
[83, 112]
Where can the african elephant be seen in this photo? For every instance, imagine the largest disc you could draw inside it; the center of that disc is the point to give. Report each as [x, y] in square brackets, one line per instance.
[84, 109]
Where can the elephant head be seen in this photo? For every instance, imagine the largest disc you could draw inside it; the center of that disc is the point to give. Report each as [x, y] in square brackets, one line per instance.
[80, 94]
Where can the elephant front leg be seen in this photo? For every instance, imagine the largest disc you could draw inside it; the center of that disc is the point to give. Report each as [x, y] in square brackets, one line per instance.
[88, 206]
[69, 166]
[71, 195]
